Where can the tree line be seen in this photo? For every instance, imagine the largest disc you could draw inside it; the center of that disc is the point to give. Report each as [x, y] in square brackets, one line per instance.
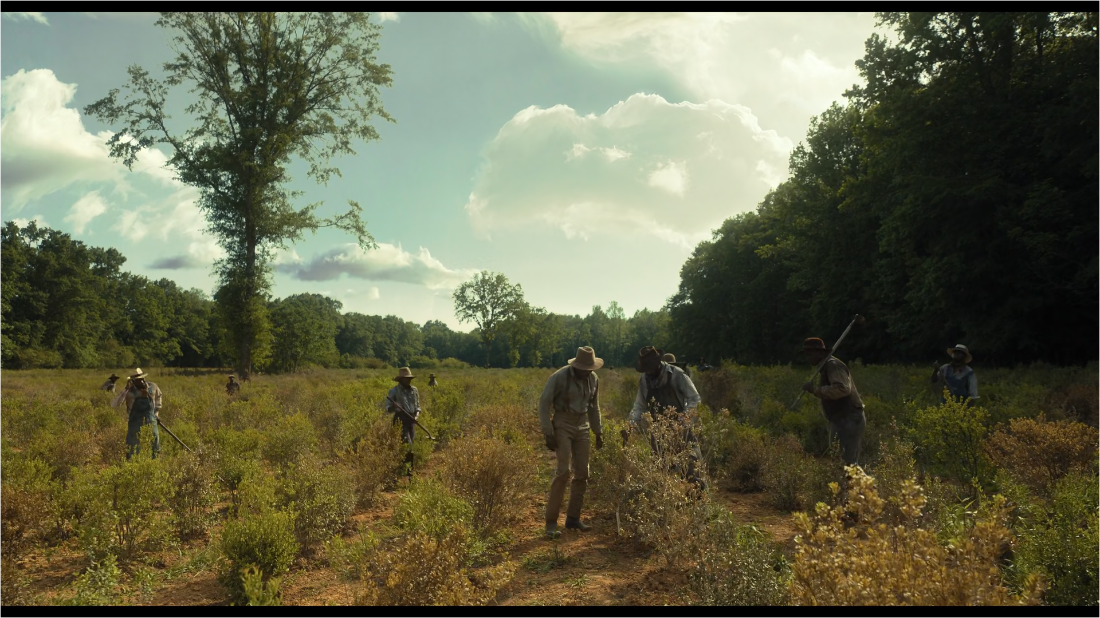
[951, 200]
[66, 304]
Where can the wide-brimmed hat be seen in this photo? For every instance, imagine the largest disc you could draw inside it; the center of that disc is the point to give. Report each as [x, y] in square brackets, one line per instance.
[669, 358]
[649, 358]
[586, 359]
[960, 347]
[232, 375]
[138, 373]
[815, 343]
[404, 372]
[113, 377]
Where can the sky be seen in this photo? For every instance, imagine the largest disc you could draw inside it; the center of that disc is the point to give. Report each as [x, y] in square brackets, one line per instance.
[582, 155]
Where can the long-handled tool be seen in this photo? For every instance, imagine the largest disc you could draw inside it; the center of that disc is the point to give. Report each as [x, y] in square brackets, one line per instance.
[165, 428]
[411, 417]
[858, 319]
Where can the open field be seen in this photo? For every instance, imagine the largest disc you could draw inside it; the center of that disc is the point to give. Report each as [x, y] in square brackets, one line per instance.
[299, 476]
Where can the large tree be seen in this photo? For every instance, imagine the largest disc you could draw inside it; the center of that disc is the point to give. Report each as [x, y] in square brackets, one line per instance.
[269, 88]
[487, 300]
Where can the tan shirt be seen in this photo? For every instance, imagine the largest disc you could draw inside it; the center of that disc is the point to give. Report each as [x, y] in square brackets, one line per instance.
[575, 395]
[129, 395]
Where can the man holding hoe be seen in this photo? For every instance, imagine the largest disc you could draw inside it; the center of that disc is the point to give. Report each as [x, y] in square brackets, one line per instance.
[403, 401]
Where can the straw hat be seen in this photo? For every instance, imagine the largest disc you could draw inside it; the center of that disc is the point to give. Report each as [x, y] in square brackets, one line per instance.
[404, 372]
[586, 359]
[669, 358]
[113, 377]
[138, 373]
[965, 350]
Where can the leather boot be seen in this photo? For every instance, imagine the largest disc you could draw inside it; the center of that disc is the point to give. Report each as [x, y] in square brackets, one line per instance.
[575, 523]
[552, 531]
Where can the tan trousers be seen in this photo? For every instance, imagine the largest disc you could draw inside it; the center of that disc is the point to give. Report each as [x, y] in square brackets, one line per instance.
[571, 432]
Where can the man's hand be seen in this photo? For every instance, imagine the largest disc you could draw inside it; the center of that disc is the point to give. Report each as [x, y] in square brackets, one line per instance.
[552, 443]
[599, 441]
[808, 387]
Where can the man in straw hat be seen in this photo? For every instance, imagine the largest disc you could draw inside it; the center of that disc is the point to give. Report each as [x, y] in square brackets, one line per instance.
[405, 396]
[840, 401]
[232, 387]
[143, 403]
[431, 380]
[574, 393]
[957, 375]
[661, 386]
[109, 385]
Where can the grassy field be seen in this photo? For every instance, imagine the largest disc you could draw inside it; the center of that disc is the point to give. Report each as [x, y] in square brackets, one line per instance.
[296, 495]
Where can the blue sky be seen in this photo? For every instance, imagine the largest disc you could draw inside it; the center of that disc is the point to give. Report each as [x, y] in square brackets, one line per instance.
[582, 155]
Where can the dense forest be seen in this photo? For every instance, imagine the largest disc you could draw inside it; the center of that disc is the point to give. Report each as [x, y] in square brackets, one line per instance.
[952, 198]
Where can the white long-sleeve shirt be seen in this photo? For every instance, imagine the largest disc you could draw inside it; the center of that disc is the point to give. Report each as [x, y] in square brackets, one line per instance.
[681, 383]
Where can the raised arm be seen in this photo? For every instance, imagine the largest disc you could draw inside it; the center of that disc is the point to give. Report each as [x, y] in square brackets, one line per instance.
[840, 382]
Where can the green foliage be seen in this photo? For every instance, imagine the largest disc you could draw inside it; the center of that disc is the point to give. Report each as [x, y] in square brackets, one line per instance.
[194, 496]
[121, 507]
[428, 507]
[949, 439]
[99, 585]
[288, 439]
[304, 329]
[490, 301]
[321, 497]
[376, 459]
[490, 474]
[1040, 453]
[262, 540]
[351, 559]
[1061, 542]
[259, 592]
[738, 565]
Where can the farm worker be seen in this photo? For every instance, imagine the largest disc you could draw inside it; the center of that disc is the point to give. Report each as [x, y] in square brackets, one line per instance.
[840, 402]
[574, 393]
[431, 380]
[143, 403]
[661, 386]
[109, 385]
[232, 387]
[958, 376]
[405, 397]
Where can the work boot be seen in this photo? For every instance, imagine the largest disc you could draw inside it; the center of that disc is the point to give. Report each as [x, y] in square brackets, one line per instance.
[552, 531]
[575, 523]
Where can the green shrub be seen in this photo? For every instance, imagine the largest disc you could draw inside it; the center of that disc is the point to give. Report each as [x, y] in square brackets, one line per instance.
[794, 480]
[894, 466]
[258, 592]
[949, 440]
[265, 541]
[738, 565]
[428, 507]
[195, 494]
[351, 559]
[375, 459]
[288, 439]
[121, 507]
[1061, 542]
[322, 498]
[490, 474]
[99, 585]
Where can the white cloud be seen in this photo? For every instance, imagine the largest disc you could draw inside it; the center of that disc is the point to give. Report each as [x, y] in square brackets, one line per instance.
[37, 17]
[85, 209]
[386, 263]
[670, 170]
[384, 17]
[373, 293]
[671, 177]
[43, 144]
[784, 66]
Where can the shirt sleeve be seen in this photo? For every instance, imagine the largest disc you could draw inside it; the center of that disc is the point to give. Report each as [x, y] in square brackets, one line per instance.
[416, 397]
[639, 401]
[972, 385]
[689, 394]
[545, 402]
[157, 401]
[840, 382]
[595, 420]
[119, 398]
